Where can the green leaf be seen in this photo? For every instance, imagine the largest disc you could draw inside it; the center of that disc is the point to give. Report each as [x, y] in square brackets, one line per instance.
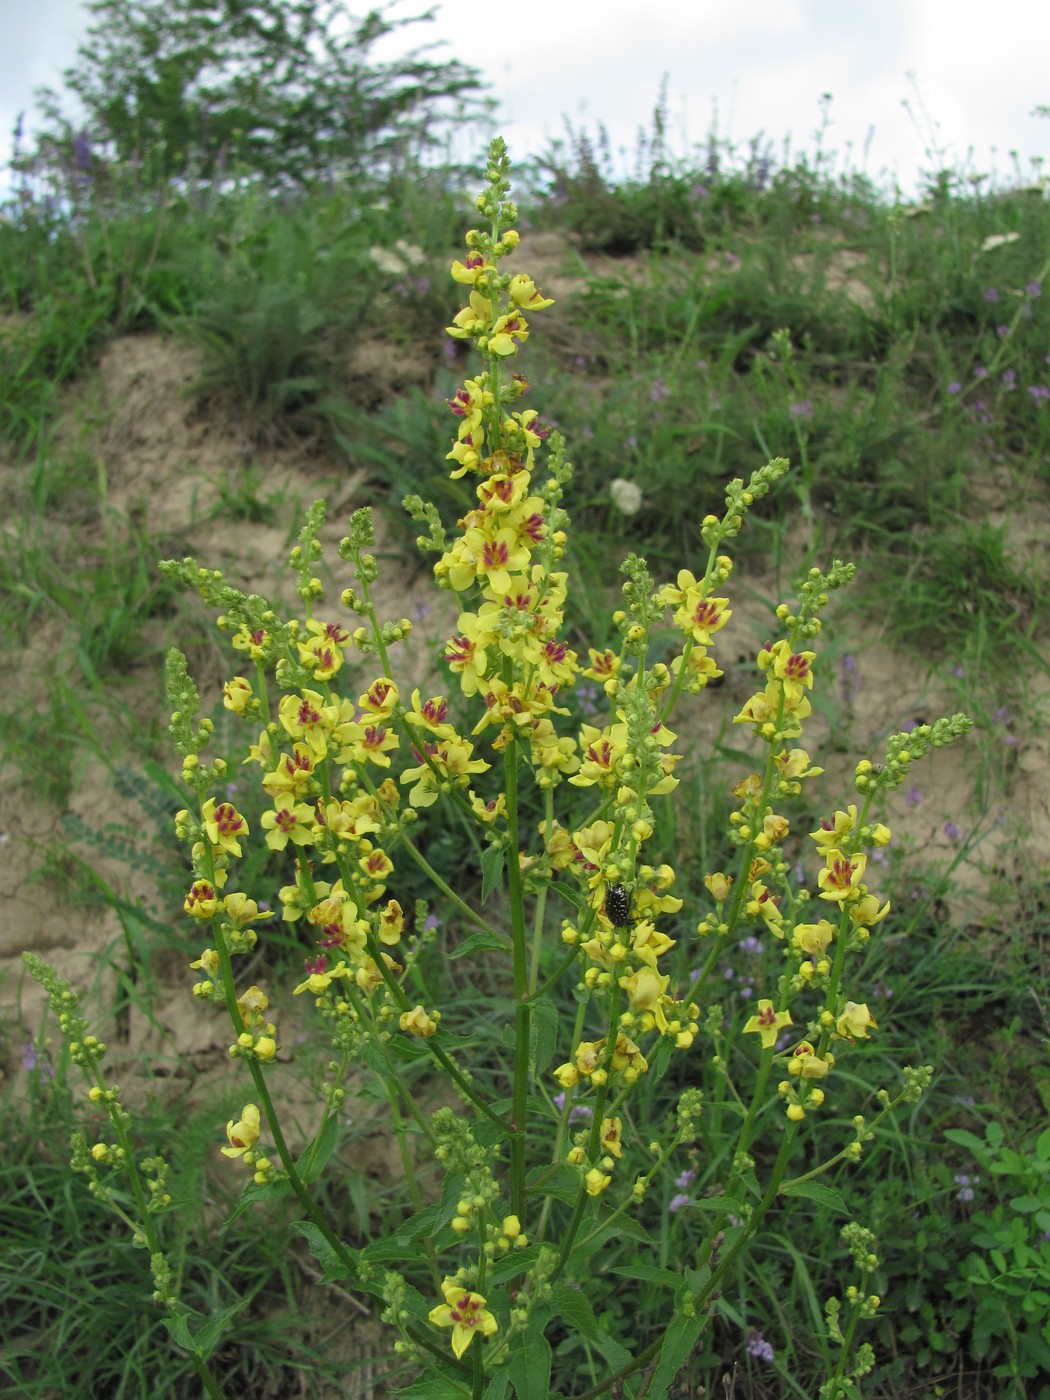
[480, 942]
[435, 1387]
[825, 1196]
[563, 1183]
[573, 1306]
[498, 1385]
[529, 1367]
[679, 1340]
[649, 1273]
[962, 1138]
[491, 871]
[568, 893]
[273, 1191]
[334, 1267]
[179, 1328]
[545, 1021]
[313, 1161]
[209, 1336]
[1026, 1204]
[728, 1203]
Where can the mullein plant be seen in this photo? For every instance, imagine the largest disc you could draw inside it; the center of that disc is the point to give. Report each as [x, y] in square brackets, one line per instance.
[544, 1176]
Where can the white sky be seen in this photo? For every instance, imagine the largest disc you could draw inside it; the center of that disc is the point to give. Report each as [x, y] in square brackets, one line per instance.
[761, 64]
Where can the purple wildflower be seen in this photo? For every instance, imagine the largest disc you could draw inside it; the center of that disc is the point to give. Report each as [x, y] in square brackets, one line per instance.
[82, 152]
[679, 1202]
[759, 1348]
[952, 832]
[981, 373]
[913, 797]
[751, 944]
[1039, 393]
[1034, 289]
[990, 294]
[685, 1179]
[955, 387]
[965, 1185]
[1009, 378]
[804, 409]
[731, 259]
[1002, 330]
[849, 679]
[659, 391]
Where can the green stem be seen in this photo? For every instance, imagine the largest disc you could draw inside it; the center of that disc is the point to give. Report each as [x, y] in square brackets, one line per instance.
[522, 1009]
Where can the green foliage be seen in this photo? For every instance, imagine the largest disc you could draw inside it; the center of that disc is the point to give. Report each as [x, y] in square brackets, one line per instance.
[1006, 1274]
[670, 372]
[287, 92]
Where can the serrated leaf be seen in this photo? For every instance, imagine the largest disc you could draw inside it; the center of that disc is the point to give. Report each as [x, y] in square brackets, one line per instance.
[529, 1367]
[480, 942]
[491, 871]
[334, 1267]
[273, 1191]
[179, 1328]
[562, 1183]
[728, 1203]
[209, 1336]
[573, 1306]
[825, 1196]
[568, 892]
[545, 1022]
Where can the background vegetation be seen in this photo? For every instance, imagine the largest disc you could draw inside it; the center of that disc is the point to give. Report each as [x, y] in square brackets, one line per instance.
[249, 182]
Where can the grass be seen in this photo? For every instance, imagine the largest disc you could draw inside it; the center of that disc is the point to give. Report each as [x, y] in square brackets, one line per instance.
[752, 312]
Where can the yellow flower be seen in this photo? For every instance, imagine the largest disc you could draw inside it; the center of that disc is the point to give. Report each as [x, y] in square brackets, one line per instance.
[237, 694]
[812, 938]
[601, 751]
[202, 901]
[523, 293]
[767, 1023]
[840, 879]
[718, 886]
[241, 911]
[834, 834]
[644, 988]
[610, 1136]
[418, 1022]
[596, 1181]
[224, 826]
[808, 1064]
[698, 616]
[465, 1313]
[379, 699]
[308, 718]
[855, 1022]
[243, 1134]
[295, 824]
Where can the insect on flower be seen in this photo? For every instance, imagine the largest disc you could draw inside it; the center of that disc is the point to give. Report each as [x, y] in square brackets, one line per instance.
[618, 906]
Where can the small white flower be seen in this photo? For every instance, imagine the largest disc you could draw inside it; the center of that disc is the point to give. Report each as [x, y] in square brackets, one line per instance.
[409, 253]
[626, 495]
[387, 261]
[998, 240]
